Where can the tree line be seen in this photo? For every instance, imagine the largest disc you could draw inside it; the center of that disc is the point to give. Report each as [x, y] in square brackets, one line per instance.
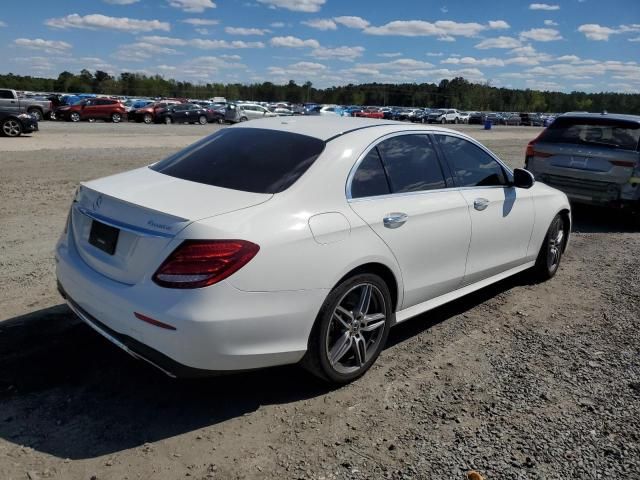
[455, 93]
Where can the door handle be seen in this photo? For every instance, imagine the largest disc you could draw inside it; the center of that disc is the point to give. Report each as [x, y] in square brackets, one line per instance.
[480, 203]
[395, 220]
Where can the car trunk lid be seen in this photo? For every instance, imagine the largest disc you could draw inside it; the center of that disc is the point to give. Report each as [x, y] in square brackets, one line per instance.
[122, 224]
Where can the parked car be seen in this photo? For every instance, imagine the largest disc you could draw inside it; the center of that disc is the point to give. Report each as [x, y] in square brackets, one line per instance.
[493, 117]
[134, 104]
[463, 117]
[444, 115]
[593, 158]
[182, 113]
[14, 124]
[531, 119]
[370, 112]
[510, 119]
[10, 102]
[245, 250]
[93, 109]
[252, 111]
[148, 113]
[476, 118]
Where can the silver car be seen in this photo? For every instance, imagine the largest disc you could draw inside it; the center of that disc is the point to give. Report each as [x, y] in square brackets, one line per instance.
[593, 158]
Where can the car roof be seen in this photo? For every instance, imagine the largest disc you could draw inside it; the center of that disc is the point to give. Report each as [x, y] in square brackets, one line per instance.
[327, 128]
[612, 116]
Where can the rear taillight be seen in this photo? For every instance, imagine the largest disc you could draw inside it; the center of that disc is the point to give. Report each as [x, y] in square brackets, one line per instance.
[200, 263]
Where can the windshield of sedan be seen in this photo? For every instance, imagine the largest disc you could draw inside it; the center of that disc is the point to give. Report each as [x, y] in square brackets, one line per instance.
[248, 159]
[594, 131]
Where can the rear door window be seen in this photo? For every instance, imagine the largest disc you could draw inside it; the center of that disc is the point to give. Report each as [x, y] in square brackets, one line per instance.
[370, 179]
[248, 159]
[593, 131]
[411, 163]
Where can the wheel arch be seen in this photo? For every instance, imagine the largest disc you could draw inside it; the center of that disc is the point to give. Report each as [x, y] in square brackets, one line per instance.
[565, 213]
[383, 272]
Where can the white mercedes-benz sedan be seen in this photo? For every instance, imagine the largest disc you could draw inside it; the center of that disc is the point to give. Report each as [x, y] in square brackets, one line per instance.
[305, 240]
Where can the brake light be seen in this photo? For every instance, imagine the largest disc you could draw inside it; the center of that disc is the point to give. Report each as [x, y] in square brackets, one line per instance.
[200, 263]
[623, 163]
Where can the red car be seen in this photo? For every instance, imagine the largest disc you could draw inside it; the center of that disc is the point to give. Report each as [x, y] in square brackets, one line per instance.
[369, 113]
[93, 109]
[149, 113]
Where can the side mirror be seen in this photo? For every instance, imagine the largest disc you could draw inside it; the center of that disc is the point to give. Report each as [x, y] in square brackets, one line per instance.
[523, 178]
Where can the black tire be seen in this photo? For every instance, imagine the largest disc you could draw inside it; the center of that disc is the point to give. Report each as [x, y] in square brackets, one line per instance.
[11, 127]
[243, 119]
[443, 121]
[456, 121]
[551, 251]
[74, 117]
[168, 120]
[202, 120]
[317, 361]
[116, 117]
[36, 112]
[148, 118]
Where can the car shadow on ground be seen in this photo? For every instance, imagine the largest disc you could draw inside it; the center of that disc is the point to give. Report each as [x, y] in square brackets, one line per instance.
[592, 219]
[67, 392]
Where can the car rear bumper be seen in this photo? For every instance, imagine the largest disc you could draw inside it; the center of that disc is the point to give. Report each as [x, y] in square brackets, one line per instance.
[590, 192]
[217, 328]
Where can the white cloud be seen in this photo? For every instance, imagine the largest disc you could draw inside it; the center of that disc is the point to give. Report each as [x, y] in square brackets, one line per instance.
[50, 46]
[294, 42]
[299, 70]
[568, 58]
[390, 54]
[593, 31]
[192, 6]
[245, 31]
[277, 24]
[541, 35]
[321, 24]
[550, 23]
[435, 54]
[498, 24]
[339, 53]
[543, 6]
[486, 62]
[636, 39]
[350, 21]
[98, 21]
[444, 29]
[167, 41]
[309, 6]
[2, 24]
[217, 44]
[498, 42]
[200, 43]
[140, 51]
[200, 22]
[121, 2]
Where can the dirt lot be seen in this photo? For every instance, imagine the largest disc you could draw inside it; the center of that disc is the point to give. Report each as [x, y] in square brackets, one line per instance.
[516, 381]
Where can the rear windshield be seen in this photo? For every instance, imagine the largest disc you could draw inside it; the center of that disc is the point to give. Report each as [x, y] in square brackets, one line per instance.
[593, 131]
[248, 159]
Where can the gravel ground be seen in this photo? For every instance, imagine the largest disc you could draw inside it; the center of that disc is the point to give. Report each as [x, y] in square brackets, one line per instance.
[517, 381]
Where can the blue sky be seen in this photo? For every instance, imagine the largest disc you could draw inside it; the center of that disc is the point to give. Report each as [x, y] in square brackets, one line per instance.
[564, 45]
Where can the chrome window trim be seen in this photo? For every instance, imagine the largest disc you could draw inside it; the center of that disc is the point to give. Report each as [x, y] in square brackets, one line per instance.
[452, 133]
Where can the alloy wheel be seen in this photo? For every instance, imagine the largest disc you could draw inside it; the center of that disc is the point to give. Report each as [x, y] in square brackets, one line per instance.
[11, 128]
[356, 328]
[555, 244]
[75, 117]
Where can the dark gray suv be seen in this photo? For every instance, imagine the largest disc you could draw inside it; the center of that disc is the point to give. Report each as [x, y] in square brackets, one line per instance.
[593, 158]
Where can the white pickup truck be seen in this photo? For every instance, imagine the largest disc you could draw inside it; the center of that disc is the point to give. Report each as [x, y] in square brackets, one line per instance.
[11, 102]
